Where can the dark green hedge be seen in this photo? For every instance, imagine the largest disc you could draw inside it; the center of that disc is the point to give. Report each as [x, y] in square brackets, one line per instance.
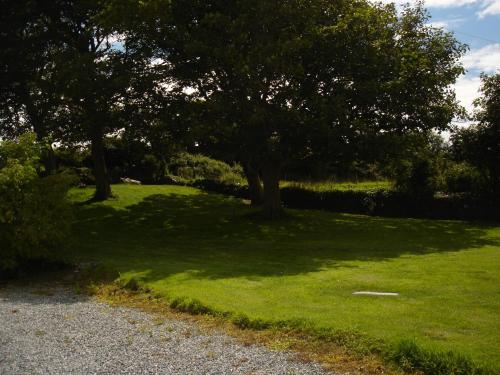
[377, 202]
[393, 203]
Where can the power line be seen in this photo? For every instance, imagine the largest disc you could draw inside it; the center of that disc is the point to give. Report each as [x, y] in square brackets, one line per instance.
[476, 36]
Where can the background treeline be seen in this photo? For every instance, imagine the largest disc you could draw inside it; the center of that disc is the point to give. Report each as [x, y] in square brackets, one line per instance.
[425, 176]
[418, 165]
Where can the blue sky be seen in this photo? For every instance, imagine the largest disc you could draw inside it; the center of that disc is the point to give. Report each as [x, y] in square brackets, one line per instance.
[476, 23]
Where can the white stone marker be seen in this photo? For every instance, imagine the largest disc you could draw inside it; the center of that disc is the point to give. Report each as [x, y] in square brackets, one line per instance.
[375, 294]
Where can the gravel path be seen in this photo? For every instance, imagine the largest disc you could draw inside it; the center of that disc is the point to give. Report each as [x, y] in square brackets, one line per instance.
[63, 333]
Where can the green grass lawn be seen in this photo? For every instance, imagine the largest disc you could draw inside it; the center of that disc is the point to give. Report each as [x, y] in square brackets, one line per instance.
[182, 242]
[342, 186]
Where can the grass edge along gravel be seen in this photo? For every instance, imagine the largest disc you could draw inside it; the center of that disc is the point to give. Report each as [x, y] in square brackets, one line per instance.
[407, 355]
[301, 344]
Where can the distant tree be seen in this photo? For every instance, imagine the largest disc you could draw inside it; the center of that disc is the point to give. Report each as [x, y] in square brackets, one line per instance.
[479, 144]
[283, 80]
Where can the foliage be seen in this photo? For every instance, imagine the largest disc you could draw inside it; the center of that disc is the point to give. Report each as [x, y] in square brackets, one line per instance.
[479, 144]
[371, 199]
[80, 80]
[27, 95]
[190, 168]
[34, 214]
[180, 242]
[321, 82]
[139, 160]
[294, 91]
[75, 157]
[488, 105]
[417, 178]
[463, 178]
[135, 159]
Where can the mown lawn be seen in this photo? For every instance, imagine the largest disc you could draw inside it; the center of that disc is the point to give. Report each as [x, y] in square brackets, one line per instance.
[182, 242]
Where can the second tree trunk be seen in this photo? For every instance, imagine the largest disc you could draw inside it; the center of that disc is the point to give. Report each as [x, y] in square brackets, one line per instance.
[255, 190]
[102, 184]
[272, 196]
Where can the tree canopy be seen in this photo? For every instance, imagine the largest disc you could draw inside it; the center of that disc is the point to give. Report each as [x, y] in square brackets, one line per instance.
[282, 80]
[255, 81]
[78, 79]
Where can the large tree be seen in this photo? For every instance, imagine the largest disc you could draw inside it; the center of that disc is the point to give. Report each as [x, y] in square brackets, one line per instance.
[284, 79]
[96, 74]
[78, 79]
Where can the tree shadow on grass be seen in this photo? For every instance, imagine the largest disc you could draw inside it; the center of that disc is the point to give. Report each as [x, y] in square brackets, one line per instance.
[212, 236]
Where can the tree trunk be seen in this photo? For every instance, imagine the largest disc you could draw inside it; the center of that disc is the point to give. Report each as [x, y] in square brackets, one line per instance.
[255, 189]
[49, 160]
[103, 187]
[272, 197]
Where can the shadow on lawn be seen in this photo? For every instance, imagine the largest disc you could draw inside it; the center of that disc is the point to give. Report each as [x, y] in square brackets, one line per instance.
[211, 236]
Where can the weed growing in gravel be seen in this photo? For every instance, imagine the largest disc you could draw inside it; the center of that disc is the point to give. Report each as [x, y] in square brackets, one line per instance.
[40, 333]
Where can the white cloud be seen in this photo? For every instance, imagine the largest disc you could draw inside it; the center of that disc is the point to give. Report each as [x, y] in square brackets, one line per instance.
[487, 7]
[490, 9]
[437, 3]
[439, 24]
[485, 59]
[467, 89]
[449, 3]
[447, 24]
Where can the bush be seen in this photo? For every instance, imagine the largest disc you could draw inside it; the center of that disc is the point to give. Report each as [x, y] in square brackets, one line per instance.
[417, 178]
[151, 169]
[463, 178]
[34, 213]
[188, 168]
[81, 176]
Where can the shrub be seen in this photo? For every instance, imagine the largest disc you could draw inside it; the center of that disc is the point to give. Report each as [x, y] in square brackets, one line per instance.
[417, 178]
[82, 175]
[189, 168]
[34, 213]
[463, 178]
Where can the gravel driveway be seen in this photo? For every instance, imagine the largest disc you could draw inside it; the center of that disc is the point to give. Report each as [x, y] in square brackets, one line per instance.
[63, 333]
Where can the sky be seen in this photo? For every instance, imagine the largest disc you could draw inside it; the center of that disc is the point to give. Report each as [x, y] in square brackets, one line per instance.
[477, 24]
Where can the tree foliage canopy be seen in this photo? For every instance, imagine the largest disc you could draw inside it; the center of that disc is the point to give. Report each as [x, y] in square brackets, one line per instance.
[257, 81]
[282, 80]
